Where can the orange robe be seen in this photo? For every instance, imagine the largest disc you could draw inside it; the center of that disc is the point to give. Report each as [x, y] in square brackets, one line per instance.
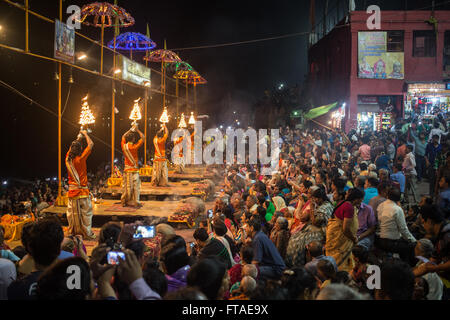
[160, 148]
[131, 165]
[77, 174]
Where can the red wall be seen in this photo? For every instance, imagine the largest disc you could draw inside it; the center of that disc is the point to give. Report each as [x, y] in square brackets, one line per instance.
[327, 89]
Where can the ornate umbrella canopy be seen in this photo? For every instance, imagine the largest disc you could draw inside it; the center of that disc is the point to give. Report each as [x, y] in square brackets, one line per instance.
[133, 41]
[186, 74]
[104, 14]
[196, 79]
[163, 55]
[179, 66]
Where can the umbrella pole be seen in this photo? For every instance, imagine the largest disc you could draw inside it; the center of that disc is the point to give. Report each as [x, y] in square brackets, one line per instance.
[145, 129]
[177, 93]
[101, 56]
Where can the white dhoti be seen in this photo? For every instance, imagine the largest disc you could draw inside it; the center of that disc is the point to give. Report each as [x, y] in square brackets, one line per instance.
[160, 174]
[131, 189]
[180, 166]
[79, 216]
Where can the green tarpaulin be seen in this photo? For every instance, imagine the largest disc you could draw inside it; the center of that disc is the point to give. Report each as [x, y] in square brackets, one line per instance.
[317, 112]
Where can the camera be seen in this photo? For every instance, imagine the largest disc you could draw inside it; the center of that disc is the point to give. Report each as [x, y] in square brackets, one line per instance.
[144, 232]
[113, 257]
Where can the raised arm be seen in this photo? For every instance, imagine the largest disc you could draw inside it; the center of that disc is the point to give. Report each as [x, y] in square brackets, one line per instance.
[88, 139]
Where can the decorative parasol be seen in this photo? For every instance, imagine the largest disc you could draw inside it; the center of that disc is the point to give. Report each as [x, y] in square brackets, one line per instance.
[163, 56]
[179, 66]
[132, 41]
[105, 15]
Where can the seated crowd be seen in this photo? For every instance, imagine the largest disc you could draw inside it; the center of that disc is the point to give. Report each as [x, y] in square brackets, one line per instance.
[336, 207]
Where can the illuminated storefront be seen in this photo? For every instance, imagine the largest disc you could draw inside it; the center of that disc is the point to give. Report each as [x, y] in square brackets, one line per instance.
[427, 99]
[376, 112]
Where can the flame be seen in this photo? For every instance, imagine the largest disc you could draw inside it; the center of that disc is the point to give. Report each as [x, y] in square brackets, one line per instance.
[192, 119]
[182, 122]
[165, 116]
[136, 112]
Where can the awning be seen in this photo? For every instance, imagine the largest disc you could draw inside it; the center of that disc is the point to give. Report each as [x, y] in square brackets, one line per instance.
[320, 111]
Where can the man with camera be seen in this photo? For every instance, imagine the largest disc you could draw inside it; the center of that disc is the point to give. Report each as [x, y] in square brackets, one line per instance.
[131, 180]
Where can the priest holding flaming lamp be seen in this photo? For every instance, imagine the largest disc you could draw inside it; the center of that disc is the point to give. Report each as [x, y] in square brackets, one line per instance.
[160, 174]
[79, 208]
[132, 140]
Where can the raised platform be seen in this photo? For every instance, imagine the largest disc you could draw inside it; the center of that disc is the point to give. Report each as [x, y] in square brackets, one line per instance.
[175, 191]
[151, 209]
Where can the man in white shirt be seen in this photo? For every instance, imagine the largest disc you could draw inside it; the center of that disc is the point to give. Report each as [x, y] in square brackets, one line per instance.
[436, 131]
[409, 168]
[393, 234]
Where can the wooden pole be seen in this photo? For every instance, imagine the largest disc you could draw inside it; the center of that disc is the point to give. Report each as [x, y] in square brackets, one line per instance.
[177, 94]
[163, 75]
[145, 129]
[103, 35]
[195, 97]
[187, 96]
[27, 48]
[59, 120]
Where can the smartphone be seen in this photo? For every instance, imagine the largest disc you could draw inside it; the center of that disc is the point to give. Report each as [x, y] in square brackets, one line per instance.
[210, 214]
[113, 257]
[144, 232]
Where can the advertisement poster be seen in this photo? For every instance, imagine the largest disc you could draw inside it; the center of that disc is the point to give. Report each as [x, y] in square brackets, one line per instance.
[134, 72]
[64, 42]
[374, 62]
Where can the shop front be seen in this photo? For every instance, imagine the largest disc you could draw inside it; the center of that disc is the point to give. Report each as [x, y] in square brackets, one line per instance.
[377, 113]
[427, 99]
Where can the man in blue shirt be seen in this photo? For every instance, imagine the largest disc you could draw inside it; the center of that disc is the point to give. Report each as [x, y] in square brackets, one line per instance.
[443, 200]
[370, 189]
[399, 177]
[265, 254]
[314, 252]
[420, 144]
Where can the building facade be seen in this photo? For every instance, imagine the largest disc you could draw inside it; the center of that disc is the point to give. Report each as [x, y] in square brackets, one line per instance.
[379, 75]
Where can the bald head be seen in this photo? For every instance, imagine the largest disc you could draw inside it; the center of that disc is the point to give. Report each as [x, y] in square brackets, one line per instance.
[248, 285]
[250, 270]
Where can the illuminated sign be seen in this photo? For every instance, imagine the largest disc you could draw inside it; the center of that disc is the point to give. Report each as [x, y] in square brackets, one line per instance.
[134, 72]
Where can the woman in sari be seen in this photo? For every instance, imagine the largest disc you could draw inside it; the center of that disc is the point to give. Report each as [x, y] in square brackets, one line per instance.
[341, 230]
[315, 229]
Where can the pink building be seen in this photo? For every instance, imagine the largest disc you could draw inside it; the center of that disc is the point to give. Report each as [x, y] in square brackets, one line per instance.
[382, 74]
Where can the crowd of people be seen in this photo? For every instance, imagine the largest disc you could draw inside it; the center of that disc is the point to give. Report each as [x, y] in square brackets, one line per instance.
[338, 205]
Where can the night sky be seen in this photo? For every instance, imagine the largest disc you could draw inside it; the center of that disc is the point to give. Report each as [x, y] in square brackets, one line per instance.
[238, 75]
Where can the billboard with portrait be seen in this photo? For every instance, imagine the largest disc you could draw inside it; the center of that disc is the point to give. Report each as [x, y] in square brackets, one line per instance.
[64, 42]
[374, 60]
